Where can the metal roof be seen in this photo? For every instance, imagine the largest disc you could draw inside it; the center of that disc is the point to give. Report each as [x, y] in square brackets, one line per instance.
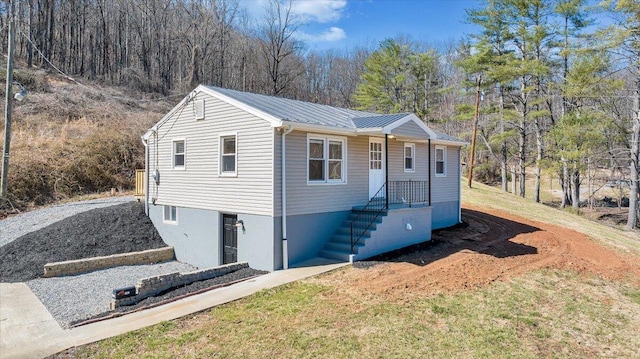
[445, 137]
[296, 111]
[309, 113]
[378, 120]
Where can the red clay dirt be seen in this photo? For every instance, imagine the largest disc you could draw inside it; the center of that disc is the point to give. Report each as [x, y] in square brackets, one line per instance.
[494, 246]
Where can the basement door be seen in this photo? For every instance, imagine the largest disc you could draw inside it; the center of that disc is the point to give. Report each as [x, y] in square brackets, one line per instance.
[376, 165]
[229, 239]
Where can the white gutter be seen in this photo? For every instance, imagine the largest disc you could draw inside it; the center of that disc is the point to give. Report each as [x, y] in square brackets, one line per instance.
[283, 194]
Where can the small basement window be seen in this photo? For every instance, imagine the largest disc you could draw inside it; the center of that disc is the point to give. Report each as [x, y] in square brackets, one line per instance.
[441, 155]
[178, 154]
[170, 214]
[409, 157]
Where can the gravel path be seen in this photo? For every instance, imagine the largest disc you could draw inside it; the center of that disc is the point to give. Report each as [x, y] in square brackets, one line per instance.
[81, 230]
[17, 226]
[82, 296]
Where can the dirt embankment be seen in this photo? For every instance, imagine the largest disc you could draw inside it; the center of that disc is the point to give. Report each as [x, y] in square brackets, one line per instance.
[494, 246]
[99, 232]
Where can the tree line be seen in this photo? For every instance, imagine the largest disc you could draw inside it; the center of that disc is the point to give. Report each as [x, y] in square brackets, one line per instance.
[556, 91]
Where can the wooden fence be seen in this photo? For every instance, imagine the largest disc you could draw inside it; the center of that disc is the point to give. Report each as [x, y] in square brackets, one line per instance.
[140, 184]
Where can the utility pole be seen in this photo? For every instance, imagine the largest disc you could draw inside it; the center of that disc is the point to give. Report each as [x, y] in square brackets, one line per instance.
[8, 103]
[475, 129]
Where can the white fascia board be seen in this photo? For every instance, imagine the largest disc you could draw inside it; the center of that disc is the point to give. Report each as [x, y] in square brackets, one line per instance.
[449, 143]
[370, 130]
[410, 117]
[177, 107]
[274, 121]
[147, 135]
[319, 129]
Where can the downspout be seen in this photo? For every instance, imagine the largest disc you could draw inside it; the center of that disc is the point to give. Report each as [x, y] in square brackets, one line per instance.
[283, 194]
[459, 188]
[146, 175]
[429, 167]
[386, 170]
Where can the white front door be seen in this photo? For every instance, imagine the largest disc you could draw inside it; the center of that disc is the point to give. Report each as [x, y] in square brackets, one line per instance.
[376, 165]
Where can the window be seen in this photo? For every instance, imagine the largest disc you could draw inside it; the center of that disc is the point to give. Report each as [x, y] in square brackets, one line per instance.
[326, 159]
[178, 154]
[441, 155]
[316, 160]
[375, 155]
[228, 155]
[409, 157]
[199, 109]
[170, 214]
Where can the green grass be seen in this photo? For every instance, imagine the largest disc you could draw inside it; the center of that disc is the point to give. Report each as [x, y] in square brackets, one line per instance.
[485, 196]
[546, 314]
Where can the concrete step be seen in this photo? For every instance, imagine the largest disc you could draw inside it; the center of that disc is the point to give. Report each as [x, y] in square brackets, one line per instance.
[343, 238]
[330, 254]
[347, 230]
[361, 213]
[343, 247]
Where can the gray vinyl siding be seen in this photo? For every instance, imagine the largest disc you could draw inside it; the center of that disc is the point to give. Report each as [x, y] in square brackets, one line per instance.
[447, 188]
[199, 185]
[303, 198]
[409, 129]
[396, 162]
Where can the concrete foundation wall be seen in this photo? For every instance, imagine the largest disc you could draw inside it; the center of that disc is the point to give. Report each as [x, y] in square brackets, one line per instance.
[394, 233]
[445, 214]
[197, 238]
[307, 234]
[256, 243]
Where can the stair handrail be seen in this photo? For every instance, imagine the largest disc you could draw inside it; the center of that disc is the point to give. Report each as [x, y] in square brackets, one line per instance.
[371, 211]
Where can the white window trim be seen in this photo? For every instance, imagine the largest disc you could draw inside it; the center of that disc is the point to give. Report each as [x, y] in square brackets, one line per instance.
[169, 221]
[173, 154]
[326, 139]
[444, 161]
[220, 148]
[413, 157]
[198, 107]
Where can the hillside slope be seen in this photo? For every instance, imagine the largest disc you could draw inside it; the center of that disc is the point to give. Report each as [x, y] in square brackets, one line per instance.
[71, 138]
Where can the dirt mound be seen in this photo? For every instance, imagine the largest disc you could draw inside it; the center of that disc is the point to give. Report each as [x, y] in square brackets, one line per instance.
[494, 246]
[99, 232]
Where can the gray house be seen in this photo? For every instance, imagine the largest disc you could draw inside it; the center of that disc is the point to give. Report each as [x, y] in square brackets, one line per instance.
[234, 176]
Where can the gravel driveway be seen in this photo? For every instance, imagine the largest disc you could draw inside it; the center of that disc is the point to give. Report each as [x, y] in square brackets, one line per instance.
[85, 229]
[82, 296]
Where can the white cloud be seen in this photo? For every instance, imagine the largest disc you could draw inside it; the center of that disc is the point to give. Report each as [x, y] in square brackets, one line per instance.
[330, 35]
[321, 11]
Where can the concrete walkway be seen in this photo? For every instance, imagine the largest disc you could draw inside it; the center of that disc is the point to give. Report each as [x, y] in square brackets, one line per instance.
[27, 330]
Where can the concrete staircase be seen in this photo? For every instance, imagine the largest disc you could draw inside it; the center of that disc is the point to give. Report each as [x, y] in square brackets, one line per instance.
[339, 246]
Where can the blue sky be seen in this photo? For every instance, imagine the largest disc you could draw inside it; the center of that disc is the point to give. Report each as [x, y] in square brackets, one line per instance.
[344, 24]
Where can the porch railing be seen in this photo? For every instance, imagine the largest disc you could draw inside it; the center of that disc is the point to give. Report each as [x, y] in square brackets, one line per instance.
[368, 215]
[399, 192]
[408, 192]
